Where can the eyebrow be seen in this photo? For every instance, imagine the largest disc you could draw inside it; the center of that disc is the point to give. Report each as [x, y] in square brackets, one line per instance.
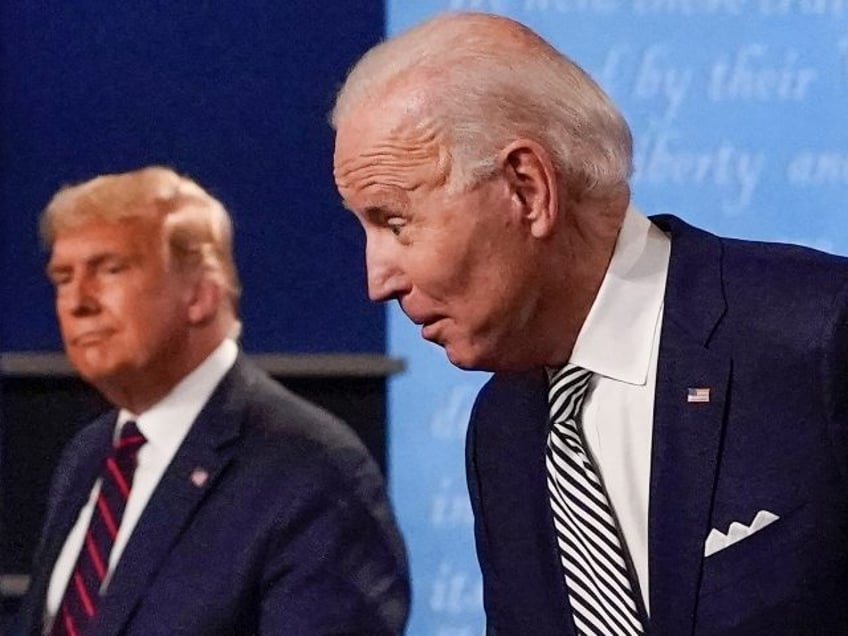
[379, 211]
[92, 261]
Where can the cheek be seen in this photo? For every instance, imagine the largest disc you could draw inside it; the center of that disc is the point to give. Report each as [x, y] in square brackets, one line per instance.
[499, 300]
[449, 273]
[139, 308]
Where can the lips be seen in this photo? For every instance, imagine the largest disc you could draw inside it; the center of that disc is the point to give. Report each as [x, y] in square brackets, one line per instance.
[427, 320]
[430, 327]
[422, 318]
[92, 337]
[428, 330]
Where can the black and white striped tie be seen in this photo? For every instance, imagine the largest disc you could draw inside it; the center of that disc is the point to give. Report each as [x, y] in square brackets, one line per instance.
[599, 586]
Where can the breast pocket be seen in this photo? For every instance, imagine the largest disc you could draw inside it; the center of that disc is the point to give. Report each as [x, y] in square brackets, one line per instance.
[758, 552]
[773, 568]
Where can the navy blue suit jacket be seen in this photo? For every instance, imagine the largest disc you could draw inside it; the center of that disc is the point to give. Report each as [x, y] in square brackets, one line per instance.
[290, 534]
[765, 327]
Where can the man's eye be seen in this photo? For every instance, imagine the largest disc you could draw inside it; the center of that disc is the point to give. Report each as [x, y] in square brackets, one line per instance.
[395, 226]
[113, 268]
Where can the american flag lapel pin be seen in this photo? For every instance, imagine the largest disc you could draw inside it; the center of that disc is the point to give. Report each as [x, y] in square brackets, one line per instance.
[698, 394]
[199, 476]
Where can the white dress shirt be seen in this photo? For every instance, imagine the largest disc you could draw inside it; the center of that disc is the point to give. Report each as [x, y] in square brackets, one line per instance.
[165, 425]
[619, 343]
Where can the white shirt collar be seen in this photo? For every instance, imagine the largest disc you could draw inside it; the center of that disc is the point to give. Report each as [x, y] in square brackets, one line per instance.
[166, 423]
[616, 338]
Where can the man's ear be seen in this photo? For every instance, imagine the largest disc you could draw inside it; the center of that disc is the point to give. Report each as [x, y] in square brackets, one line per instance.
[532, 181]
[204, 301]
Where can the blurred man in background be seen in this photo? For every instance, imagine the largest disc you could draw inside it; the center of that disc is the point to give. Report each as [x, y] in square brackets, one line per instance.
[210, 500]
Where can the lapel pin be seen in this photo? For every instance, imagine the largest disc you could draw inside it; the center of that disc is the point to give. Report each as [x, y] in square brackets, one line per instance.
[698, 394]
[199, 476]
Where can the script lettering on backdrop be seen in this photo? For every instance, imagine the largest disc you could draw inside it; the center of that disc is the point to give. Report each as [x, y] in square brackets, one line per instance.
[730, 100]
[738, 115]
[456, 589]
[430, 405]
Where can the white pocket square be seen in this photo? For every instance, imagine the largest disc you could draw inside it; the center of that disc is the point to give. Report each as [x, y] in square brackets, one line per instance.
[717, 540]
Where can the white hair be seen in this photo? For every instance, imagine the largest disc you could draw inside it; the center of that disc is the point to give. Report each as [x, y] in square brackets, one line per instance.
[489, 81]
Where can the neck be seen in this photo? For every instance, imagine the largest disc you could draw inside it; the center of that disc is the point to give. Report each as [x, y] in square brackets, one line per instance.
[139, 390]
[586, 244]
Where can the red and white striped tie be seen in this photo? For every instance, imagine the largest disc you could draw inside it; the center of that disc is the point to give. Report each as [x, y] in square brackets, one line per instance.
[82, 595]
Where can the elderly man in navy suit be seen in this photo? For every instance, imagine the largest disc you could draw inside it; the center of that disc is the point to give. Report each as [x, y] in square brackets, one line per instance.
[211, 500]
[663, 447]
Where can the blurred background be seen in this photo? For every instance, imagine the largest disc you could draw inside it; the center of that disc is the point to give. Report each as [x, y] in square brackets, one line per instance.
[738, 114]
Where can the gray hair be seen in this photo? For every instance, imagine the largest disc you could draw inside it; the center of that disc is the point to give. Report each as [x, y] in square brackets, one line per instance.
[490, 81]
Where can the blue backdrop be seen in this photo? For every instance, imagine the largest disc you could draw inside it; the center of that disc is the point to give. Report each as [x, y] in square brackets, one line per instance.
[738, 114]
[235, 95]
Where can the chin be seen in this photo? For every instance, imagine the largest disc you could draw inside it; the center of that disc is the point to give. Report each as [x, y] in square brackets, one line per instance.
[98, 378]
[493, 358]
[467, 360]
[98, 372]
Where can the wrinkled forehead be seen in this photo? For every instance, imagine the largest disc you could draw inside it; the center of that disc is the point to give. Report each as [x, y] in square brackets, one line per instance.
[395, 144]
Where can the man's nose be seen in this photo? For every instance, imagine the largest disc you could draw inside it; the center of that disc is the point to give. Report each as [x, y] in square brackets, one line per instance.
[79, 296]
[386, 278]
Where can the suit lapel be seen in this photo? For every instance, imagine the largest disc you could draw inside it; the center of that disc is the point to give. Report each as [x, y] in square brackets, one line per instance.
[516, 500]
[683, 470]
[208, 448]
[687, 434]
[72, 487]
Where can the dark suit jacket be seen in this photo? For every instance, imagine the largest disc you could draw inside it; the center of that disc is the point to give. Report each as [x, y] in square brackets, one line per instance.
[290, 534]
[765, 327]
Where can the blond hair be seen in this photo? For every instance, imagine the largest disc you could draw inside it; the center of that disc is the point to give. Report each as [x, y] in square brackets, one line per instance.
[195, 226]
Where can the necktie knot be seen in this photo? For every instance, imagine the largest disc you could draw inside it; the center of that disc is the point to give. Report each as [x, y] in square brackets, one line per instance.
[130, 440]
[566, 392]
